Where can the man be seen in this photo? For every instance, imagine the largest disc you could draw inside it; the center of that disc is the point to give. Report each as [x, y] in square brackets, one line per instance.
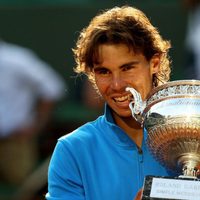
[108, 158]
[29, 89]
[192, 41]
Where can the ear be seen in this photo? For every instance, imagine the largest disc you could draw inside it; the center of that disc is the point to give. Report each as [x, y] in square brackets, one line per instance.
[155, 64]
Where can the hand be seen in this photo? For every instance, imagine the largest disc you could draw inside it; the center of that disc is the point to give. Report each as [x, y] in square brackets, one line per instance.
[27, 132]
[139, 195]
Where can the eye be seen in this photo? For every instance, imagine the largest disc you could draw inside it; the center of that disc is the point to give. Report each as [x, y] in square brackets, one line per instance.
[102, 71]
[127, 67]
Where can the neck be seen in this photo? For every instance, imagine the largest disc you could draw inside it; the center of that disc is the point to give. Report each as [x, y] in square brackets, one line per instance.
[132, 128]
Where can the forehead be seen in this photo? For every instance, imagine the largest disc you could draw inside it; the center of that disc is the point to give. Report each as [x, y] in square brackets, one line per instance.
[112, 52]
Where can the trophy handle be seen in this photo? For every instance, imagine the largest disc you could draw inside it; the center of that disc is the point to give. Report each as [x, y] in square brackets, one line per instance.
[137, 105]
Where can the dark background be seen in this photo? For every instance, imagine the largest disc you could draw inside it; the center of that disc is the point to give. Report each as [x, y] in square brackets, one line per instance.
[51, 27]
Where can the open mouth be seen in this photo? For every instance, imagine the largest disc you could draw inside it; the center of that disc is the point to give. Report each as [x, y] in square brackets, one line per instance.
[125, 98]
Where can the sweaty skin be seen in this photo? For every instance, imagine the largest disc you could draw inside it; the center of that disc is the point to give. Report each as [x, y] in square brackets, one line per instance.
[119, 67]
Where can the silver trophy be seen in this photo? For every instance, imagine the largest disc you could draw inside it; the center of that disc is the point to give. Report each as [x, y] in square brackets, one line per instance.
[171, 116]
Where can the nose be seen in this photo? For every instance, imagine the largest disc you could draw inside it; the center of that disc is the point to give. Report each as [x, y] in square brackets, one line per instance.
[117, 83]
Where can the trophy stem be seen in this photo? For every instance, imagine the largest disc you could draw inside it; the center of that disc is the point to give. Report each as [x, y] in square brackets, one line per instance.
[190, 164]
[190, 171]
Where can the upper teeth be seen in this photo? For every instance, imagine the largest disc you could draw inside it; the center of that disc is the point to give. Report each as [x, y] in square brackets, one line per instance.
[123, 98]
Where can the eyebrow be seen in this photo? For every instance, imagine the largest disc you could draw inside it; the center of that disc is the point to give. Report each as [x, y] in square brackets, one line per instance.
[129, 63]
[96, 67]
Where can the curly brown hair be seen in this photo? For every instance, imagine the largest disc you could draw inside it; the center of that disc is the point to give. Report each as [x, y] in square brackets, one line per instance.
[126, 25]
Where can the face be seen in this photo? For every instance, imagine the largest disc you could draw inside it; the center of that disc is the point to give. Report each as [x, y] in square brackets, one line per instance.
[118, 68]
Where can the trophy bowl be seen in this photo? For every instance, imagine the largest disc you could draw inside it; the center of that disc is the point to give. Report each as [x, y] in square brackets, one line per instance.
[171, 116]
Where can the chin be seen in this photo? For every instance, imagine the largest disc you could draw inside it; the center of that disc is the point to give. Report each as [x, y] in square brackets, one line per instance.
[125, 114]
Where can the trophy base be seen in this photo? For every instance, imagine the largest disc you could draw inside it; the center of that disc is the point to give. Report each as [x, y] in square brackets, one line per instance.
[168, 188]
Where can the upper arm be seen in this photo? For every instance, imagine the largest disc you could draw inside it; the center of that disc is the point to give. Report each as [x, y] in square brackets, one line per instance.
[64, 179]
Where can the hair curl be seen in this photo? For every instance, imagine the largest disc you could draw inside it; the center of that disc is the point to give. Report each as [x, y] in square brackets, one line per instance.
[126, 25]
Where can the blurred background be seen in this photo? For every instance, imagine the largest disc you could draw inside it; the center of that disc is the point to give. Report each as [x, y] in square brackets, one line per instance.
[50, 28]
